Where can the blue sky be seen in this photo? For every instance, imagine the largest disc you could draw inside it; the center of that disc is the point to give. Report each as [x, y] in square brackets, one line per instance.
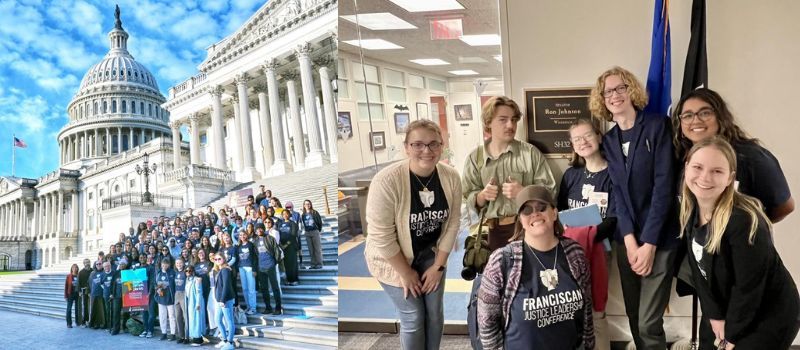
[47, 46]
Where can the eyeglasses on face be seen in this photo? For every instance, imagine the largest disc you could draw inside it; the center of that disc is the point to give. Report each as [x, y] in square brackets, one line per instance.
[620, 89]
[703, 114]
[535, 207]
[585, 137]
[420, 147]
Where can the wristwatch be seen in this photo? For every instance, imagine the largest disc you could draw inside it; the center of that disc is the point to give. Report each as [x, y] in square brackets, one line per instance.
[441, 268]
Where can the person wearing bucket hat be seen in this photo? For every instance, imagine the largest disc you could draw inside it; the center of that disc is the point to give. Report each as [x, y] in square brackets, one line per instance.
[413, 216]
[536, 291]
[494, 172]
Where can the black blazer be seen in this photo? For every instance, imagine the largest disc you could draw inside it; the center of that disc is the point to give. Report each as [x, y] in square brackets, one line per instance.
[747, 286]
[644, 184]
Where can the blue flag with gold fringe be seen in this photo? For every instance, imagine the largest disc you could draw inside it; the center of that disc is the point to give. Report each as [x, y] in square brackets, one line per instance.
[659, 76]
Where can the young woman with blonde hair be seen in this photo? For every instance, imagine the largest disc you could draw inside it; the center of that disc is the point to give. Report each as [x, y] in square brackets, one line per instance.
[224, 295]
[746, 293]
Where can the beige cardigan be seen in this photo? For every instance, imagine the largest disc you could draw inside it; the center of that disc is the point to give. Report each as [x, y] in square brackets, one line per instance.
[388, 210]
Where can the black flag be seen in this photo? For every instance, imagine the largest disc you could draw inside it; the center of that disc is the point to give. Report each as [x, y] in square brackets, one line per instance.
[695, 72]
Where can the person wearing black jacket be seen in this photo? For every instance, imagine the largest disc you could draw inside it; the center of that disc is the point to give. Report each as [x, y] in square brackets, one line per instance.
[224, 295]
[269, 256]
[746, 293]
[115, 298]
[312, 225]
[290, 242]
[107, 284]
[83, 291]
[247, 264]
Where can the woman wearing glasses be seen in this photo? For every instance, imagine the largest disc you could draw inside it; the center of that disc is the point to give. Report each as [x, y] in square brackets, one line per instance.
[586, 182]
[413, 212]
[744, 288]
[641, 166]
[535, 292]
[703, 113]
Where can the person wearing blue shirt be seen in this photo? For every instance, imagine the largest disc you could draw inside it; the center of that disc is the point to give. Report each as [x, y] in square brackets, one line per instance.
[224, 295]
[165, 297]
[641, 166]
[180, 301]
[312, 225]
[106, 284]
[116, 297]
[97, 311]
[291, 248]
[247, 270]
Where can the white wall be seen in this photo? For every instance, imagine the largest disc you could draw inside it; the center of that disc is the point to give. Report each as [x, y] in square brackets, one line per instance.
[463, 135]
[753, 52]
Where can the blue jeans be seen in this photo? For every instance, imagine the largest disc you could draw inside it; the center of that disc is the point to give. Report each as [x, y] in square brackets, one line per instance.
[149, 316]
[421, 318]
[248, 286]
[224, 319]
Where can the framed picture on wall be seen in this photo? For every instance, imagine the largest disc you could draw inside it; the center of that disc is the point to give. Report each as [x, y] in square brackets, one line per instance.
[463, 112]
[401, 121]
[377, 140]
[344, 126]
[422, 111]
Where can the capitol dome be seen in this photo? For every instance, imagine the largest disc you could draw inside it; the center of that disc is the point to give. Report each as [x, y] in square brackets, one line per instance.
[118, 68]
[116, 108]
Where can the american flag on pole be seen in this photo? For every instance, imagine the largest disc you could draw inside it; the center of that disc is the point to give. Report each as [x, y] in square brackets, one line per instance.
[19, 143]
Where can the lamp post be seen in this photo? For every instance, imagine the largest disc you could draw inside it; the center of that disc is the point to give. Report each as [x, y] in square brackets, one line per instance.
[146, 170]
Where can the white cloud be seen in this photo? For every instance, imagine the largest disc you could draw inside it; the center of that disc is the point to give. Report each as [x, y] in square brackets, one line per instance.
[214, 5]
[194, 25]
[45, 74]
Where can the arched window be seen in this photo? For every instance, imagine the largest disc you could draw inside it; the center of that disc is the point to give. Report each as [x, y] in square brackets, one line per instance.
[94, 110]
[113, 106]
[124, 107]
[105, 106]
[149, 109]
[141, 107]
[133, 107]
[80, 115]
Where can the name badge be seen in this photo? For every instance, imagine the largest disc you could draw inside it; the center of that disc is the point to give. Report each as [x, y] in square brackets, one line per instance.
[599, 198]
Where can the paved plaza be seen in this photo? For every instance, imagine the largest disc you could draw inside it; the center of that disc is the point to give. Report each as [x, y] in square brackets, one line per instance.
[24, 331]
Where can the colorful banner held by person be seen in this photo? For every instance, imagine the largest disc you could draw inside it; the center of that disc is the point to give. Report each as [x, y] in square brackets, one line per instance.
[134, 291]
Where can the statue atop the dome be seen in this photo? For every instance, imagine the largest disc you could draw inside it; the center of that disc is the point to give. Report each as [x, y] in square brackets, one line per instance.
[118, 22]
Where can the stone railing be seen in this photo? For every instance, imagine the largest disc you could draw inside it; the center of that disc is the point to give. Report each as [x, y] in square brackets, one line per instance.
[187, 85]
[198, 171]
[138, 198]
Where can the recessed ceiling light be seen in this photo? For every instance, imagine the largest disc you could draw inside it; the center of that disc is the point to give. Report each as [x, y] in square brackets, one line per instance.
[428, 5]
[374, 44]
[463, 72]
[499, 58]
[462, 59]
[430, 62]
[380, 21]
[481, 39]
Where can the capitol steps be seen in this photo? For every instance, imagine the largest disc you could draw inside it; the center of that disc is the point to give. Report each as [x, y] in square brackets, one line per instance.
[296, 187]
[310, 308]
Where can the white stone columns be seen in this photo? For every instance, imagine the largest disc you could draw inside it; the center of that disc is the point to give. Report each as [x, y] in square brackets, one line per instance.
[249, 169]
[316, 156]
[74, 211]
[97, 143]
[176, 144]
[108, 142]
[298, 141]
[13, 229]
[329, 108]
[266, 127]
[280, 166]
[119, 142]
[25, 232]
[130, 140]
[194, 141]
[59, 219]
[237, 126]
[45, 215]
[35, 226]
[217, 129]
[141, 137]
